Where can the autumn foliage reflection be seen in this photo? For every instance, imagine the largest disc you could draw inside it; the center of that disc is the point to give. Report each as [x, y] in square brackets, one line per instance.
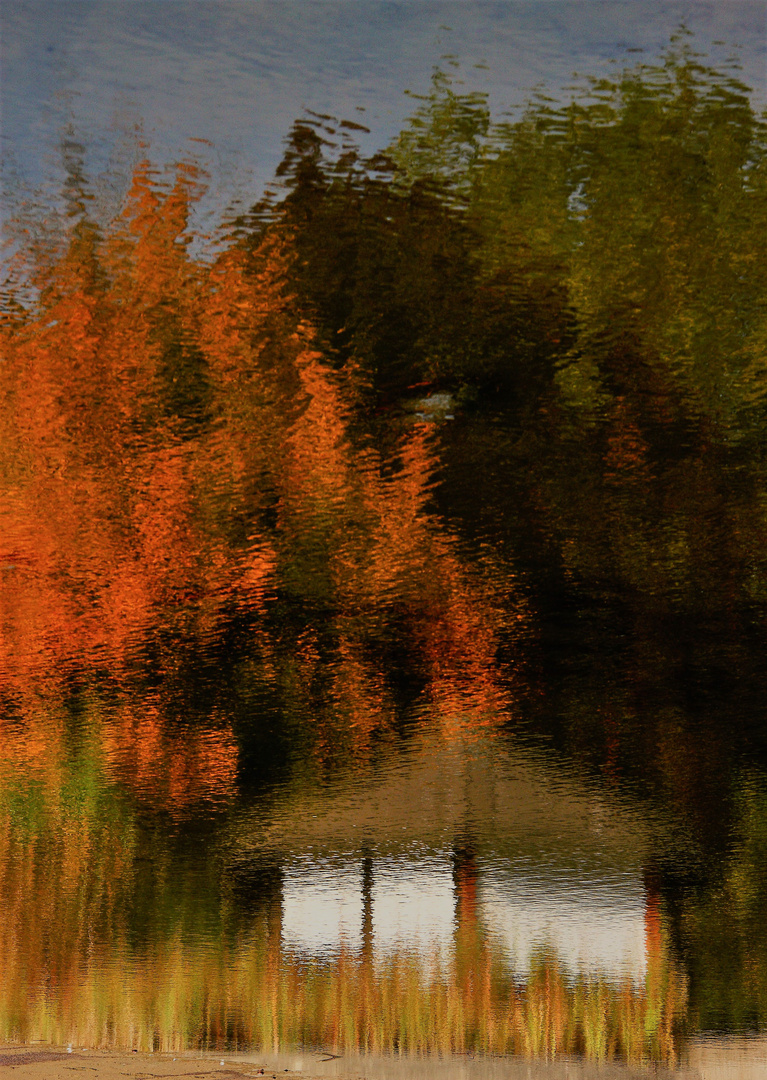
[178, 453]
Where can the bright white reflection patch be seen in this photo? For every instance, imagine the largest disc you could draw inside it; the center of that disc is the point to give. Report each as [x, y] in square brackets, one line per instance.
[322, 906]
[592, 926]
[413, 905]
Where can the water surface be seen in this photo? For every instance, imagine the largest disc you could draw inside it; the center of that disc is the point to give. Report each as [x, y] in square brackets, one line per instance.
[382, 582]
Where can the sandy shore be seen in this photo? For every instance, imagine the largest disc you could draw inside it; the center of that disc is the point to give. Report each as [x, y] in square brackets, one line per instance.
[59, 1063]
[708, 1059]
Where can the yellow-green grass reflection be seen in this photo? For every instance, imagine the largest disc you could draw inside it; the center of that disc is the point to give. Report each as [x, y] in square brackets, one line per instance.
[254, 995]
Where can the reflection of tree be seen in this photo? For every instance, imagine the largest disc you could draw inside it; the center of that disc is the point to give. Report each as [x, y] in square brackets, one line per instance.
[596, 267]
[179, 455]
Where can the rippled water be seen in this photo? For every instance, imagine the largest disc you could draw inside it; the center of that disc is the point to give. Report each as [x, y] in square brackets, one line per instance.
[382, 583]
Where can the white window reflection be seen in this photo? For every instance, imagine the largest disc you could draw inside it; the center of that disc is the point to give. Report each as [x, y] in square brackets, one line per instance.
[596, 927]
[322, 905]
[590, 925]
[413, 906]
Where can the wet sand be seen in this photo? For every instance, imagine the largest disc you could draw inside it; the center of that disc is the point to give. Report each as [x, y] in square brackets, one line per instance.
[706, 1059]
[57, 1063]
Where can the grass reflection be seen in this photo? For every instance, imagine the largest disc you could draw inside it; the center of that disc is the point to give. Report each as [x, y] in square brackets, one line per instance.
[257, 996]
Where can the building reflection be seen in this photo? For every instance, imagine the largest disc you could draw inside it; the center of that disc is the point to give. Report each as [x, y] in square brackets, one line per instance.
[428, 905]
[445, 848]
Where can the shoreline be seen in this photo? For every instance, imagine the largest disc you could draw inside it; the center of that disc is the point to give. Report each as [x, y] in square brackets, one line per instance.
[708, 1058]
